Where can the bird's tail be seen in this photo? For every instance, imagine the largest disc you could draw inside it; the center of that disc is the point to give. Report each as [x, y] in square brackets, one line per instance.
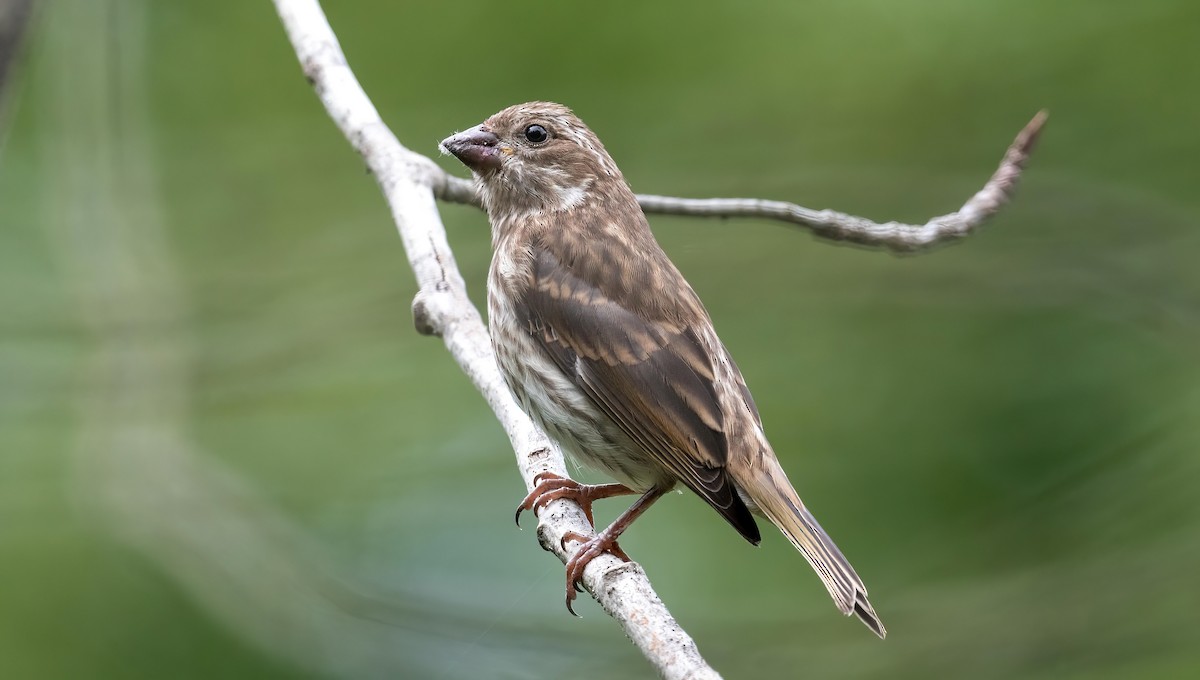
[770, 490]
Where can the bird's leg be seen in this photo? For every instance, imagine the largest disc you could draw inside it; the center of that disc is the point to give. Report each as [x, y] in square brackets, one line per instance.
[548, 486]
[606, 541]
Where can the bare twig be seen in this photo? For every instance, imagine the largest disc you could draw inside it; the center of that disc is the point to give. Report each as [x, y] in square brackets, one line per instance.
[833, 225]
[442, 308]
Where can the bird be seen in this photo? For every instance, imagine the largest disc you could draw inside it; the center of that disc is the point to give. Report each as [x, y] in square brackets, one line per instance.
[609, 350]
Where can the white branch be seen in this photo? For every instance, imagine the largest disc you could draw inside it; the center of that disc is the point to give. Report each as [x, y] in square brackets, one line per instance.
[442, 308]
[833, 225]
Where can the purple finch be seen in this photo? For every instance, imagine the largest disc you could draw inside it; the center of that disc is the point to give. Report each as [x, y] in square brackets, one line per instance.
[609, 350]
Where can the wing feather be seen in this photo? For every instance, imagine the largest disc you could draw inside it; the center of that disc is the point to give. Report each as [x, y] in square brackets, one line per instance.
[654, 378]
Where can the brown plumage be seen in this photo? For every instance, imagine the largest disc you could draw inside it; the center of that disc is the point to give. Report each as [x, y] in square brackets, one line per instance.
[610, 351]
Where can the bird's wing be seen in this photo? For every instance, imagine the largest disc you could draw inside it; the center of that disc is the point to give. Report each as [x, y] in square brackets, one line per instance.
[653, 377]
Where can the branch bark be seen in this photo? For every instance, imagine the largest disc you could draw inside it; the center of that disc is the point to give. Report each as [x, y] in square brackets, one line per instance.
[411, 182]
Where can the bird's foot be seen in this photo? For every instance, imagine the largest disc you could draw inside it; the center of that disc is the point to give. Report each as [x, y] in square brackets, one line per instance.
[593, 547]
[549, 486]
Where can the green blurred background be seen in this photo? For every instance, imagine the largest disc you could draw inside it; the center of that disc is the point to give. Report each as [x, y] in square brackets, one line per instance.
[225, 453]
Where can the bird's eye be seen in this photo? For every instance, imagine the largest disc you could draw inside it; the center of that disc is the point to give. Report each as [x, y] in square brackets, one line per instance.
[536, 134]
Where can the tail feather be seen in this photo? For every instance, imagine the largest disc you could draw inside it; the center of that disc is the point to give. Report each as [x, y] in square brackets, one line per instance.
[866, 614]
[770, 490]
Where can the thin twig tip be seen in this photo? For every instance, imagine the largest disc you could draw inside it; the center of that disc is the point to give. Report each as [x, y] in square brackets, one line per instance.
[1029, 134]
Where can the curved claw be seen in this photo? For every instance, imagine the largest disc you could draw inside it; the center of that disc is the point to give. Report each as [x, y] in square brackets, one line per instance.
[571, 536]
[573, 583]
[591, 549]
[543, 483]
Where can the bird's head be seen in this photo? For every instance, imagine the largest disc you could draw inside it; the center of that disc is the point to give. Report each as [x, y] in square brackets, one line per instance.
[534, 157]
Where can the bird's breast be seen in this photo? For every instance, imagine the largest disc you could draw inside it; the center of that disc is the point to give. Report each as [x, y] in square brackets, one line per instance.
[550, 397]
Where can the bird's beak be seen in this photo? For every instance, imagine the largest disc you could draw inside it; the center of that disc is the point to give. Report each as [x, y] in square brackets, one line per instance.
[477, 148]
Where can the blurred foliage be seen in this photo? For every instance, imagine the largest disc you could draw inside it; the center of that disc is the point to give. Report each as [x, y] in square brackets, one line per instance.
[1001, 435]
